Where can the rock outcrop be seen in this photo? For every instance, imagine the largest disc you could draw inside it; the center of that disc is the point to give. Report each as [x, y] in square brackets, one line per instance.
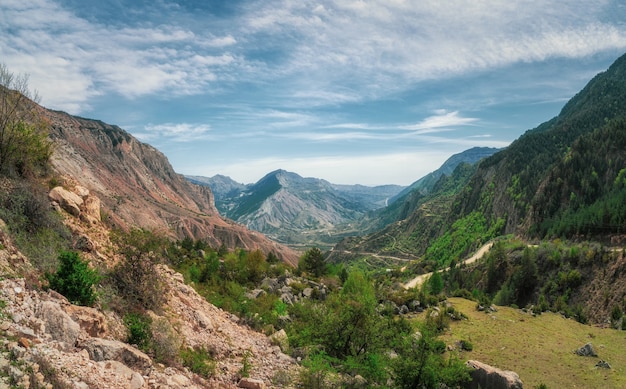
[485, 376]
[134, 185]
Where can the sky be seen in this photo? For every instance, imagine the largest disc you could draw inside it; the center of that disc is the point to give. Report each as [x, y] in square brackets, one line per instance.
[351, 91]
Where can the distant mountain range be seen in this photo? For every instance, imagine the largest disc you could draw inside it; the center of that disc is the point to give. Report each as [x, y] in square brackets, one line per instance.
[293, 209]
[311, 211]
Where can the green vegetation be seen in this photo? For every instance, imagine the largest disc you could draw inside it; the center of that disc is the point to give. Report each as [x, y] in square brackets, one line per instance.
[312, 262]
[198, 361]
[74, 279]
[553, 276]
[135, 277]
[24, 147]
[139, 333]
[466, 234]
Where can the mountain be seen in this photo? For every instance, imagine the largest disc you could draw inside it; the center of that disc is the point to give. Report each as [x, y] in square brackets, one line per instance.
[139, 188]
[293, 209]
[426, 183]
[561, 179]
[405, 202]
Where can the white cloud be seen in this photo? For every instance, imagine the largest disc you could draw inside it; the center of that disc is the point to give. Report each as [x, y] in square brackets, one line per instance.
[442, 119]
[382, 46]
[72, 60]
[176, 132]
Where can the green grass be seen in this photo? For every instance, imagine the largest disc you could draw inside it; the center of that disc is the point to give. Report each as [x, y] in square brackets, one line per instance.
[541, 349]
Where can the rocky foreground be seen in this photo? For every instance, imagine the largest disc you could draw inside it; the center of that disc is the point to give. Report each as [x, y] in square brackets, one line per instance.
[49, 342]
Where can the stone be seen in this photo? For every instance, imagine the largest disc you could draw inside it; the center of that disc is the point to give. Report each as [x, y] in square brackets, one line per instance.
[586, 351]
[135, 379]
[58, 323]
[69, 201]
[251, 383]
[485, 376]
[23, 342]
[271, 284]
[287, 298]
[81, 191]
[603, 364]
[91, 208]
[113, 350]
[255, 294]
[280, 339]
[83, 243]
[89, 319]
[307, 292]
[202, 320]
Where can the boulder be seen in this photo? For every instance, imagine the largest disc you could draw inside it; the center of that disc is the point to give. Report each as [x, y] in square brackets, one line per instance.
[280, 339]
[89, 319]
[83, 243]
[113, 350]
[135, 380]
[81, 191]
[485, 376]
[271, 284]
[69, 201]
[57, 323]
[603, 364]
[586, 351]
[203, 321]
[91, 207]
[250, 383]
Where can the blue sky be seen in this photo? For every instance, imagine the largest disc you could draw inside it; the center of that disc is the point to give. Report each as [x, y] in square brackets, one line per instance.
[352, 91]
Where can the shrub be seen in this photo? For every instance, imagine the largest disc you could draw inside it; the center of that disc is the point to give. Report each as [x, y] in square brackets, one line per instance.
[165, 342]
[199, 361]
[466, 345]
[24, 146]
[74, 279]
[136, 276]
[138, 326]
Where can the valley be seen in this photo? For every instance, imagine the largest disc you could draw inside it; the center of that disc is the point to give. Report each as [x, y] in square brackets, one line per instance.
[119, 272]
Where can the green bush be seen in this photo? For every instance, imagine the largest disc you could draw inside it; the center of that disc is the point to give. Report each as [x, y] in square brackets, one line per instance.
[139, 333]
[466, 345]
[74, 279]
[199, 361]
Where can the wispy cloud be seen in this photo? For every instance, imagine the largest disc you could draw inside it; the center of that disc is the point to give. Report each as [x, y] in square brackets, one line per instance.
[440, 121]
[132, 61]
[176, 132]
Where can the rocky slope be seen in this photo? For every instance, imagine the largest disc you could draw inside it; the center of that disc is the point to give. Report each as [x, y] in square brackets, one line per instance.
[49, 342]
[138, 187]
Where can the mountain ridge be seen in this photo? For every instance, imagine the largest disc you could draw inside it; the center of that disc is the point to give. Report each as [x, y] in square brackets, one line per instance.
[139, 187]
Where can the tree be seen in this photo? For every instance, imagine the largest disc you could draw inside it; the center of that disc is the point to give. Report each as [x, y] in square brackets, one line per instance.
[435, 283]
[136, 276]
[313, 262]
[24, 147]
[74, 279]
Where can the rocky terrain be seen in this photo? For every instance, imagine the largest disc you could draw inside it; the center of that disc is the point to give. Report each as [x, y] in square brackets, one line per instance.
[52, 343]
[138, 187]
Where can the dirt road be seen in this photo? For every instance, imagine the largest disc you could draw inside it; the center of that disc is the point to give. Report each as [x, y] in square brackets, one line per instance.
[419, 280]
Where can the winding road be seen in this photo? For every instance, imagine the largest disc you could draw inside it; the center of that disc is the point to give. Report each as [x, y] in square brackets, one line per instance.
[419, 280]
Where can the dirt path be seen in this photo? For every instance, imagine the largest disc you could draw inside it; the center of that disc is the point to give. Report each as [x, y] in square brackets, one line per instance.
[419, 280]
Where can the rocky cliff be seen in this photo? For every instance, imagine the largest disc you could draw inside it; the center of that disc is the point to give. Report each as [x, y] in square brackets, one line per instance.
[138, 187]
